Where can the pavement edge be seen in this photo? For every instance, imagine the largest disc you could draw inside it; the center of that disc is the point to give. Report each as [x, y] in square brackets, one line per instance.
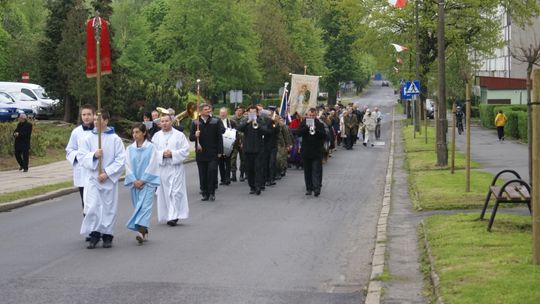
[433, 276]
[378, 262]
[47, 196]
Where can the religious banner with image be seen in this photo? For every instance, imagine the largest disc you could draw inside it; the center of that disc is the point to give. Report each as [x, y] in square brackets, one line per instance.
[303, 93]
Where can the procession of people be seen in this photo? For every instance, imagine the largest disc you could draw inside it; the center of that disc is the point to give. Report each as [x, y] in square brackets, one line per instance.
[258, 143]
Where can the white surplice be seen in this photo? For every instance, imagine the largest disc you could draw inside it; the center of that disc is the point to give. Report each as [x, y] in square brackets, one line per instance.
[172, 200]
[72, 150]
[101, 199]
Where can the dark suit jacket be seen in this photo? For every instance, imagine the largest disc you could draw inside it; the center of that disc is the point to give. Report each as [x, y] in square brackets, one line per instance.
[312, 145]
[211, 138]
[253, 138]
[22, 141]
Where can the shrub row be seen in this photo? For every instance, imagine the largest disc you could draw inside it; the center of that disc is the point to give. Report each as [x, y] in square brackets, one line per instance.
[44, 137]
[516, 126]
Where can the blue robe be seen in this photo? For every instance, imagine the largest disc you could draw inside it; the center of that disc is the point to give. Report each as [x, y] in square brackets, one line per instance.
[142, 164]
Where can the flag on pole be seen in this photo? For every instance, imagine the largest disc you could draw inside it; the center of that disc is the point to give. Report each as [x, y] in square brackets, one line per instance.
[399, 48]
[105, 49]
[398, 3]
[283, 108]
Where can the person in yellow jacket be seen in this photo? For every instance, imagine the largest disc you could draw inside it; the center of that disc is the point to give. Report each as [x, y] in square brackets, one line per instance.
[500, 122]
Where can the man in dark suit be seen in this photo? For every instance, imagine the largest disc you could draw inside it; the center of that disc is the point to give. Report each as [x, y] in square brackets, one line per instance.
[225, 160]
[22, 135]
[313, 136]
[254, 128]
[208, 138]
[350, 126]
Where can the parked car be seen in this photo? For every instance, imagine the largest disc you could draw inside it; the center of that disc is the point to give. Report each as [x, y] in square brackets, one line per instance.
[25, 105]
[45, 105]
[430, 109]
[7, 111]
[385, 83]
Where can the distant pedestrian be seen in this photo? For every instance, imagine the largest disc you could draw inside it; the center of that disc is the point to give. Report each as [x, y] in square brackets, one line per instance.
[22, 135]
[500, 122]
[142, 178]
[370, 123]
[72, 148]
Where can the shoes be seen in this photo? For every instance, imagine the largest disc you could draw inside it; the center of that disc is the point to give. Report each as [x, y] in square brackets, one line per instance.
[233, 178]
[227, 183]
[365, 144]
[212, 198]
[271, 183]
[258, 192]
[172, 223]
[87, 239]
[372, 145]
[26, 170]
[308, 192]
[278, 177]
[139, 238]
[252, 191]
[94, 239]
[317, 193]
[205, 197]
[107, 240]
[20, 168]
[263, 188]
[222, 183]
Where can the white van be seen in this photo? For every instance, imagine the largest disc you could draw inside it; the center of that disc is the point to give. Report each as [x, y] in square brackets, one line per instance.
[44, 105]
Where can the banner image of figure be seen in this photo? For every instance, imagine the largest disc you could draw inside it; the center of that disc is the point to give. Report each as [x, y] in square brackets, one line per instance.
[303, 94]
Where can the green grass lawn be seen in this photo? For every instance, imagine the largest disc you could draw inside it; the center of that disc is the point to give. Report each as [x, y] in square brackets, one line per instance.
[476, 266]
[438, 189]
[13, 196]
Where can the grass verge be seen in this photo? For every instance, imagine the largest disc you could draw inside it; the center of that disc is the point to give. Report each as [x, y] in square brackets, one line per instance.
[13, 196]
[475, 266]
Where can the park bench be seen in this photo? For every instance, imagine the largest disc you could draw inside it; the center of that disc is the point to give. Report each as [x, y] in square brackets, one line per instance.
[514, 191]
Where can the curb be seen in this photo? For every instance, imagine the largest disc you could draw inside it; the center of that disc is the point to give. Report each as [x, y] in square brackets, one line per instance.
[378, 261]
[48, 196]
[434, 277]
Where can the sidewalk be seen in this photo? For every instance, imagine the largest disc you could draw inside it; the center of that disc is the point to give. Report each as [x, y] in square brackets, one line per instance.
[49, 174]
[494, 155]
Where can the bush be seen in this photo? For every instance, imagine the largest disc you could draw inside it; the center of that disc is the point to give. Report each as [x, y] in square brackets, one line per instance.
[522, 126]
[487, 118]
[45, 136]
[511, 128]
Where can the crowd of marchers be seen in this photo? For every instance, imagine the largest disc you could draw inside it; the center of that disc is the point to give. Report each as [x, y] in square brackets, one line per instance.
[256, 142]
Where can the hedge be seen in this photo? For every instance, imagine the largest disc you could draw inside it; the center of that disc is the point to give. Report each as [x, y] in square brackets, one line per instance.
[489, 111]
[511, 129]
[522, 126]
[44, 136]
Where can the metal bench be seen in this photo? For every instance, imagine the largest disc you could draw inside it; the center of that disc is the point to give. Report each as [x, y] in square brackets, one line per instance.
[515, 191]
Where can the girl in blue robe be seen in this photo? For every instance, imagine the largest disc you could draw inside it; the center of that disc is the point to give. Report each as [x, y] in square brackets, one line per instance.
[142, 177]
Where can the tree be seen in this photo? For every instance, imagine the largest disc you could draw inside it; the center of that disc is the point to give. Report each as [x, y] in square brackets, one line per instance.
[72, 50]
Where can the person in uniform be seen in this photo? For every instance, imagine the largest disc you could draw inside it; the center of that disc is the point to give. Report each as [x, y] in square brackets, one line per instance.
[284, 142]
[237, 148]
[254, 128]
[207, 133]
[313, 138]
[270, 145]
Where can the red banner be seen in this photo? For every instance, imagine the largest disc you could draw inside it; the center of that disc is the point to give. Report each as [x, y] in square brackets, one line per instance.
[105, 49]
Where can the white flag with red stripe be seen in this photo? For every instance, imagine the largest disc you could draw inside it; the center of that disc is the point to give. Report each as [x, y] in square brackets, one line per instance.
[398, 3]
[399, 48]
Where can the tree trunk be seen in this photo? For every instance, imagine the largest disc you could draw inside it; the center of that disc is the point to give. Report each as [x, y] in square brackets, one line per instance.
[67, 108]
[442, 148]
[529, 118]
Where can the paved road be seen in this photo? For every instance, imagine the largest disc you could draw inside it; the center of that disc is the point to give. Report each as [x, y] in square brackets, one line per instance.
[281, 247]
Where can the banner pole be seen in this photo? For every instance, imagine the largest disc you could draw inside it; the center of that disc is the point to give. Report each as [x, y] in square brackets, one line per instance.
[97, 35]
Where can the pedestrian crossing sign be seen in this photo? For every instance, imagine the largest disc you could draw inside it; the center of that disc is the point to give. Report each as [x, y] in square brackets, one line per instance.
[412, 87]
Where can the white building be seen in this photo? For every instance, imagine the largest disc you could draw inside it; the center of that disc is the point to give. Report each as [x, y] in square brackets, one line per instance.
[501, 63]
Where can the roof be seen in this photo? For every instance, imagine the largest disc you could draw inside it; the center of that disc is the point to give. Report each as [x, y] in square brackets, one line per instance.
[501, 83]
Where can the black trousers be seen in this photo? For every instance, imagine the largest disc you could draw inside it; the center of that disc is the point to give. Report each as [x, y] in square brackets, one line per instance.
[253, 169]
[500, 132]
[313, 173]
[349, 141]
[271, 163]
[208, 176]
[22, 158]
[225, 169]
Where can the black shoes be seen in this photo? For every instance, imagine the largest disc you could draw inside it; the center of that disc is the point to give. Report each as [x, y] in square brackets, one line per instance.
[242, 178]
[107, 240]
[212, 197]
[365, 145]
[317, 193]
[172, 223]
[205, 197]
[308, 192]
[233, 178]
[252, 191]
[94, 239]
[258, 191]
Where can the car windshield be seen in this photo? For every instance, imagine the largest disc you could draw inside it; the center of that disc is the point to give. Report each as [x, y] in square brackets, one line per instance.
[20, 96]
[41, 93]
[5, 99]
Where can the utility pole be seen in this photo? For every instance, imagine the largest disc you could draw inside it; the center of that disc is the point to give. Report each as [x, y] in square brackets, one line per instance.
[468, 126]
[442, 147]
